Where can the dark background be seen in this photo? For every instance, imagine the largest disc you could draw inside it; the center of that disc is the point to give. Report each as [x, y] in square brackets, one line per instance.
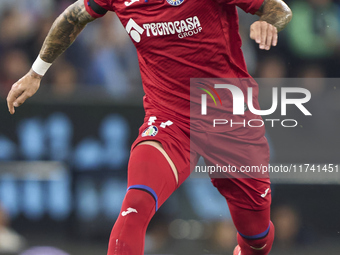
[87, 114]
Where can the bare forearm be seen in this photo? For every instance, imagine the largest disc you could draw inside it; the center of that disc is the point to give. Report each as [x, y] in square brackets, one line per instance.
[64, 31]
[276, 13]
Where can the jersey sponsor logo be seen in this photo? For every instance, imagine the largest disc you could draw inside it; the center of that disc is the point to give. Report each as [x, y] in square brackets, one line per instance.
[128, 211]
[134, 30]
[150, 131]
[184, 28]
[175, 2]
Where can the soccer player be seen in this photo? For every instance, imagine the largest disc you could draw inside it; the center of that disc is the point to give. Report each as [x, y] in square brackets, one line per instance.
[177, 40]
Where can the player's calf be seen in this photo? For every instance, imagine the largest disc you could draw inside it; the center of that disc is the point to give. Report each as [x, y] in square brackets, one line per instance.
[255, 230]
[260, 244]
[150, 182]
[127, 236]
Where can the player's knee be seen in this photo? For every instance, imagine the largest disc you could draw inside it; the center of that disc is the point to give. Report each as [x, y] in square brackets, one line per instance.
[151, 155]
[150, 171]
[127, 236]
[145, 160]
[138, 200]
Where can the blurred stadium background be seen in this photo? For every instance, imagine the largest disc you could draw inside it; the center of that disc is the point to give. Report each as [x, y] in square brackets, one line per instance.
[63, 155]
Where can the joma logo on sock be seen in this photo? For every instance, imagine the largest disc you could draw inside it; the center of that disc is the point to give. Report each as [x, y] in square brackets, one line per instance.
[129, 210]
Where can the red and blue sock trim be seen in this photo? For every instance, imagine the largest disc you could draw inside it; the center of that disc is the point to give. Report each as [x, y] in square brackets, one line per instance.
[148, 190]
[255, 237]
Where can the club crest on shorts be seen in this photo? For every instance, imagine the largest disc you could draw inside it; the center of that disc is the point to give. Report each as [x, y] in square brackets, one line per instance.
[175, 2]
[150, 131]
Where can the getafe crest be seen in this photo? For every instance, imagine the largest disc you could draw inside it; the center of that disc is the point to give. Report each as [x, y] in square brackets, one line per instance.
[150, 131]
[175, 2]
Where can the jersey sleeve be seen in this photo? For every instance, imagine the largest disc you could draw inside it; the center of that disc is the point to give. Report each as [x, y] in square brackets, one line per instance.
[98, 8]
[250, 6]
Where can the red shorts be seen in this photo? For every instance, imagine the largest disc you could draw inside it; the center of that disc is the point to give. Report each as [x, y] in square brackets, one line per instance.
[217, 149]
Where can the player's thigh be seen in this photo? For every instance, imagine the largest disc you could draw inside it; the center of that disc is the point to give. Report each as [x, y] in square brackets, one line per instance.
[248, 190]
[247, 193]
[159, 146]
[150, 171]
[249, 203]
[171, 140]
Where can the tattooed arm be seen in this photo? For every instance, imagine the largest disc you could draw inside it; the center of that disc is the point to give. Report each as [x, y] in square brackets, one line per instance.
[274, 16]
[64, 31]
[275, 12]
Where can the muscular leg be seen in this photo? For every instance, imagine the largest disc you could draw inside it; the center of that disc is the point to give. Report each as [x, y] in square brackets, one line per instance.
[250, 213]
[152, 178]
[160, 148]
[255, 230]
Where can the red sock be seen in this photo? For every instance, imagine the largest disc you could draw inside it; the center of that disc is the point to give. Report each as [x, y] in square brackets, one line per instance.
[150, 182]
[257, 247]
[128, 233]
[255, 230]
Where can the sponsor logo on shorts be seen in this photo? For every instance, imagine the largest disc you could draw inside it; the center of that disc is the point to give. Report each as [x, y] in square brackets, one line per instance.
[175, 2]
[150, 131]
